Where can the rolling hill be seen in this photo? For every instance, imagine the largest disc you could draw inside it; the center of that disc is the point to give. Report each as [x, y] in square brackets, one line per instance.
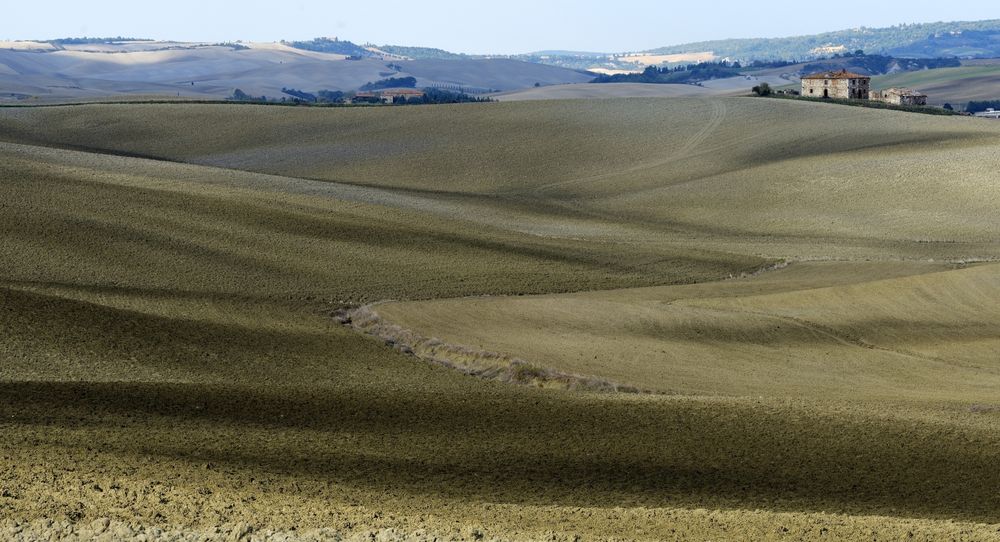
[625, 167]
[207, 71]
[808, 312]
[82, 69]
[974, 80]
[967, 40]
[926, 335]
[591, 91]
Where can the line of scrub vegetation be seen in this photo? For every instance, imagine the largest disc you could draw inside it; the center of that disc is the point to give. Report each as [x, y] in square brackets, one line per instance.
[381, 96]
[764, 90]
[470, 361]
[706, 71]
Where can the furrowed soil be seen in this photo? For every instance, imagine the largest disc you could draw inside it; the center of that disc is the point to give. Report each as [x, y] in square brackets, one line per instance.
[804, 292]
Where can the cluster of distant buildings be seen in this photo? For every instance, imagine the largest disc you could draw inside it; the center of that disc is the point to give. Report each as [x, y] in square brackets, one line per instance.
[845, 85]
[387, 95]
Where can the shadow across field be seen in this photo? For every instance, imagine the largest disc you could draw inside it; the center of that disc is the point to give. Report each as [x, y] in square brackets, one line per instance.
[165, 327]
[595, 452]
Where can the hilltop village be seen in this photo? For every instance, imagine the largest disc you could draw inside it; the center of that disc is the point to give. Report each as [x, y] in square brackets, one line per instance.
[845, 85]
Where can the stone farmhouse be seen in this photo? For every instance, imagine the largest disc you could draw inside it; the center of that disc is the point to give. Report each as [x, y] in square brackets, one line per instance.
[899, 96]
[845, 85]
[842, 85]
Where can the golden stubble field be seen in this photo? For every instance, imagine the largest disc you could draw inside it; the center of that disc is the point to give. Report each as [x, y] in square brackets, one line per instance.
[172, 276]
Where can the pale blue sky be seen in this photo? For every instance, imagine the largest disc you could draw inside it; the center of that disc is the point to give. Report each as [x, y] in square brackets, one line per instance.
[508, 26]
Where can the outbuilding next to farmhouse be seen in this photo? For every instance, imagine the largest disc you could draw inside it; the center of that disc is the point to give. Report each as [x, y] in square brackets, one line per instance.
[899, 96]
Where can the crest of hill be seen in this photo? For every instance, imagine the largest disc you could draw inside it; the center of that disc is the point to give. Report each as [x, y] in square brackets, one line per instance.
[332, 45]
[789, 182]
[975, 80]
[421, 53]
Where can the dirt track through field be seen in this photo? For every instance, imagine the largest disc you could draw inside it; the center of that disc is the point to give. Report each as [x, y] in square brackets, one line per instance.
[715, 120]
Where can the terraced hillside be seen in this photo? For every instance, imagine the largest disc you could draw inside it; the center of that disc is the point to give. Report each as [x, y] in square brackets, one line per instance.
[173, 278]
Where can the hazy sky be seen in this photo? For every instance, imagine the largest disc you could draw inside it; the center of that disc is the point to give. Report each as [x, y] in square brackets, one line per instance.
[508, 26]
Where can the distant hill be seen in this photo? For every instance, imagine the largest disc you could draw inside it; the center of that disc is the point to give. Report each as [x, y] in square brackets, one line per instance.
[966, 44]
[95, 67]
[978, 39]
[31, 71]
[975, 80]
[348, 48]
[331, 45]
[421, 53]
[968, 39]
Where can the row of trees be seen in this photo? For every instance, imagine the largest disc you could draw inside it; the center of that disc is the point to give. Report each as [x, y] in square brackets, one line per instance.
[441, 96]
[320, 97]
[421, 53]
[430, 96]
[392, 82]
[334, 45]
[692, 73]
[92, 41]
[332, 97]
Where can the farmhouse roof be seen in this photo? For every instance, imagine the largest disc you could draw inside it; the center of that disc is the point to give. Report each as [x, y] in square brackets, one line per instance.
[842, 74]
